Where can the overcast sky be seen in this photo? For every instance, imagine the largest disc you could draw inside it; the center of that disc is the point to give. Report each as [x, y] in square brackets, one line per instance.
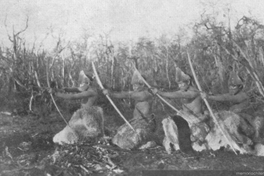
[122, 19]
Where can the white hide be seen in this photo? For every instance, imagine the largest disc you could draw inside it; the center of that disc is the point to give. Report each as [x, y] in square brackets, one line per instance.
[171, 134]
[83, 124]
[259, 150]
[198, 147]
[66, 136]
[229, 123]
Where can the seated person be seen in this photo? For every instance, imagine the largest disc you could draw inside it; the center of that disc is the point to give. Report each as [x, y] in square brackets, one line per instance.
[142, 120]
[243, 128]
[240, 103]
[192, 106]
[88, 121]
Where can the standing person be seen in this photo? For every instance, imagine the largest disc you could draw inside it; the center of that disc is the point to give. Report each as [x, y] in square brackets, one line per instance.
[142, 120]
[192, 106]
[86, 122]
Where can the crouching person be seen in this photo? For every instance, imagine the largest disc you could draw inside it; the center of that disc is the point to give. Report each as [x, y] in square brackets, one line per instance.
[86, 122]
[142, 121]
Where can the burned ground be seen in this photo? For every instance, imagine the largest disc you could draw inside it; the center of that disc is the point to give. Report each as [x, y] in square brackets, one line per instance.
[27, 149]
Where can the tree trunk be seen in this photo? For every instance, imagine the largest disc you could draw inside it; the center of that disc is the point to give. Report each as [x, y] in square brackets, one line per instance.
[167, 66]
[112, 71]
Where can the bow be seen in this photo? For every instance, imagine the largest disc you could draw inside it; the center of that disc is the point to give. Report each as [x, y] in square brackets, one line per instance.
[246, 63]
[206, 102]
[107, 96]
[55, 104]
[160, 97]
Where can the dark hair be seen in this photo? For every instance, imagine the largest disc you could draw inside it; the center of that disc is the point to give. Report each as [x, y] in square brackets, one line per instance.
[191, 80]
[90, 77]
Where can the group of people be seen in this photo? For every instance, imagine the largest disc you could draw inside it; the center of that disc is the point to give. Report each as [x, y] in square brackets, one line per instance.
[88, 121]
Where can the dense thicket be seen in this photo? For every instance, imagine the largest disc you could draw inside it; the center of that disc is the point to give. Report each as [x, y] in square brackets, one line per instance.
[215, 50]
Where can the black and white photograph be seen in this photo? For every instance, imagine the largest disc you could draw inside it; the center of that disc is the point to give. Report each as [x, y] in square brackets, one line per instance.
[131, 87]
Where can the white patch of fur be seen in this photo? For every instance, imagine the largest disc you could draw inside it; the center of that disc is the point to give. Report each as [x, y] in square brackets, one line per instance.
[80, 124]
[229, 122]
[66, 136]
[198, 147]
[259, 149]
[171, 134]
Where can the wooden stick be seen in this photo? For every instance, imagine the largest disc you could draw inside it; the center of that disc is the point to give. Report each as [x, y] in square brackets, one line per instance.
[206, 102]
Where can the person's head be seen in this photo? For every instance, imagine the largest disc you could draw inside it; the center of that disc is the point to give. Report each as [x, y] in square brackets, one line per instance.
[137, 82]
[235, 89]
[235, 83]
[184, 85]
[85, 80]
[183, 80]
[137, 86]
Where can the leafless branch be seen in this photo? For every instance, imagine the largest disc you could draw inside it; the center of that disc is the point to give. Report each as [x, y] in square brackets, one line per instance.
[9, 37]
[23, 30]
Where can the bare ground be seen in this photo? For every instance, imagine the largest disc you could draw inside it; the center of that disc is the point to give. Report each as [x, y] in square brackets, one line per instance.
[27, 149]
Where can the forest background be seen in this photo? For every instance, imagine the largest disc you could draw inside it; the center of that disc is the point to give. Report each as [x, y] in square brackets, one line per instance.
[216, 48]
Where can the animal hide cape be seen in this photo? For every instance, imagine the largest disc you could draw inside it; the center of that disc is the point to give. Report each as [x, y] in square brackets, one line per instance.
[87, 122]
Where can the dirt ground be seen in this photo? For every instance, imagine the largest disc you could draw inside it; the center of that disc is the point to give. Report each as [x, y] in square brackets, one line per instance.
[27, 149]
